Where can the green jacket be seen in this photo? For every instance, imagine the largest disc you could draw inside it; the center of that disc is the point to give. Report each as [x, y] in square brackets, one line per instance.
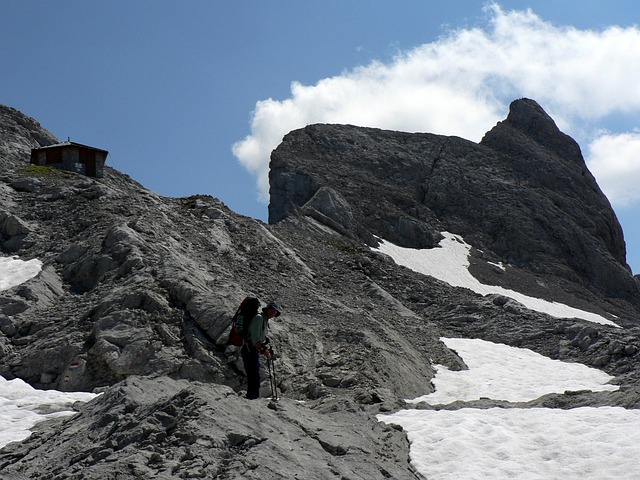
[258, 329]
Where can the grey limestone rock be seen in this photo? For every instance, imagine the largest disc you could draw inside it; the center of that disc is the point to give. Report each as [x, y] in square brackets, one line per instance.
[329, 207]
[161, 428]
[137, 291]
[523, 195]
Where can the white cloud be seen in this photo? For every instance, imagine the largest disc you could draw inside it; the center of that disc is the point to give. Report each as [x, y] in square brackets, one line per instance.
[614, 159]
[462, 84]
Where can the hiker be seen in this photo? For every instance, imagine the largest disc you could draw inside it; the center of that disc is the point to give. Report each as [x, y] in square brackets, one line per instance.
[255, 344]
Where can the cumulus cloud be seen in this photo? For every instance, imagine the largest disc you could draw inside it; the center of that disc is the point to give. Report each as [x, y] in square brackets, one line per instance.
[462, 84]
[614, 159]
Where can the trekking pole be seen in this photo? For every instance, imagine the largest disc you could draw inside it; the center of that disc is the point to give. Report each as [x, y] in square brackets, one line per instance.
[270, 367]
[275, 382]
[272, 377]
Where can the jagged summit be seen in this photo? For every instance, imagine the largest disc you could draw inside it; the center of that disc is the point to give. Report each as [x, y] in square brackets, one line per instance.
[526, 116]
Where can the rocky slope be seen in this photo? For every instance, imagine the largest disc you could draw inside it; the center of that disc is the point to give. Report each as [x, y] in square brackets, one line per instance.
[137, 290]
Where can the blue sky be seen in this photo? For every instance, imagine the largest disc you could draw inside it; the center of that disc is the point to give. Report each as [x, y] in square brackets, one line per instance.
[191, 96]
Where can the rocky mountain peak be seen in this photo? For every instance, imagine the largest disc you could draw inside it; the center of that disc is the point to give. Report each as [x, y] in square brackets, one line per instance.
[528, 117]
[523, 196]
[137, 291]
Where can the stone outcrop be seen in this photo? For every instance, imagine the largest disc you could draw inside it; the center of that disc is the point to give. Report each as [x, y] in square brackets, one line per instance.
[523, 195]
[21, 133]
[162, 428]
[137, 291]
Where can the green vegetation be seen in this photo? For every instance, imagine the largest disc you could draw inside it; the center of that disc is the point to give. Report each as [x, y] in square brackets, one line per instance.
[41, 171]
[343, 247]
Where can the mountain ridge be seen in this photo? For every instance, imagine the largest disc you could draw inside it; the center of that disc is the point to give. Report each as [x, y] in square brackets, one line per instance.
[137, 291]
[525, 206]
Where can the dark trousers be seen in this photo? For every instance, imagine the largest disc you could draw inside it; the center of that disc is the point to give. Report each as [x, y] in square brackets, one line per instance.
[251, 359]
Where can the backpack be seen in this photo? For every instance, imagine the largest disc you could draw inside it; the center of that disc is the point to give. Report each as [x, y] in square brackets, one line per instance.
[239, 327]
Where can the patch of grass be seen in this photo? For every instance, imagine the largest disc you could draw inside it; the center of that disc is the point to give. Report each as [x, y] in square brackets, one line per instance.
[343, 247]
[41, 171]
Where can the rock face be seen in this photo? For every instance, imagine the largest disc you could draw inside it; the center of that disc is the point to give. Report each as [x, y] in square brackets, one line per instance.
[176, 429]
[20, 134]
[523, 195]
[137, 291]
[563, 215]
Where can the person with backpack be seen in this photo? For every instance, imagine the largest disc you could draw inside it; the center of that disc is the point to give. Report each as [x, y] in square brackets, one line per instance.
[255, 343]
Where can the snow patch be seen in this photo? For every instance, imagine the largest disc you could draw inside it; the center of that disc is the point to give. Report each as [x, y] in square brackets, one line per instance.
[21, 405]
[528, 444]
[524, 443]
[501, 372]
[14, 271]
[450, 263]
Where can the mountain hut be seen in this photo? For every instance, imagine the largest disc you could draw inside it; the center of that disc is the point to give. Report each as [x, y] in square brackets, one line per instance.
[71, 156]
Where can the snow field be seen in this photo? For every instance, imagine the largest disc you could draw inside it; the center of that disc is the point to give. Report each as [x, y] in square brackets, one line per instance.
[521, 443]
[533, 444]
[450, 264]
[21, 405]
[512, 443]
[502, 372]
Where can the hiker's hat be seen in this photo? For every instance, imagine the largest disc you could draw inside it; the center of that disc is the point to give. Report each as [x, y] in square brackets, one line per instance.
[275, 306]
